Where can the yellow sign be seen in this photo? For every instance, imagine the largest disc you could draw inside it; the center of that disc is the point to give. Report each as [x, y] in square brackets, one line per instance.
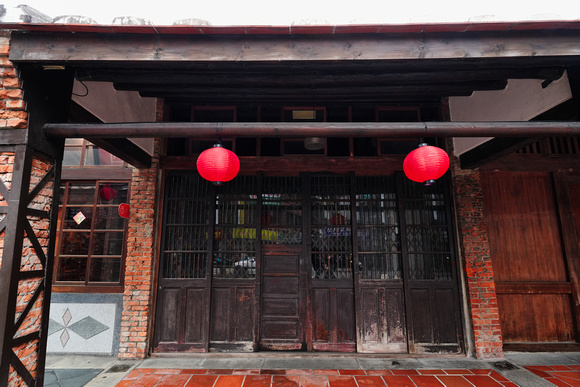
[250, 233]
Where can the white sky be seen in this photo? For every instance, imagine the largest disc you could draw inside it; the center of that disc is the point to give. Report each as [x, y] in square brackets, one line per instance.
[272, 12]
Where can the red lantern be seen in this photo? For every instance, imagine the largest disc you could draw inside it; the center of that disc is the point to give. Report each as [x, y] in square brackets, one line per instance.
[338, 219]
[107, 193]
[426, 164]
[218, 164]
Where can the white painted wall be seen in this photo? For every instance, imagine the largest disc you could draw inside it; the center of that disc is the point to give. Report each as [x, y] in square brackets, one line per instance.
[111, 105]
[521, 100]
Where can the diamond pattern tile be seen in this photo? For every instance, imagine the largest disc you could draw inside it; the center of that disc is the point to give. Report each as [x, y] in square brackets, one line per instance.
[88, 327]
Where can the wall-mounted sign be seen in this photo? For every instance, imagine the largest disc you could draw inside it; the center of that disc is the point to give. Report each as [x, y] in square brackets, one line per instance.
[124, 210]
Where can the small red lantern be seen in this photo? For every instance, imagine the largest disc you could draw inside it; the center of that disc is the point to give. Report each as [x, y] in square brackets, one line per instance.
[107, 193]
[426, 164]
[218, 164]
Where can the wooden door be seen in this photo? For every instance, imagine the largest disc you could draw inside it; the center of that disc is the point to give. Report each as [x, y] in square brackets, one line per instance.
[283, 306]
[532, 285]
[235, 267]
[381, 320]
[183, 292]
[332, 311]
[429, 270]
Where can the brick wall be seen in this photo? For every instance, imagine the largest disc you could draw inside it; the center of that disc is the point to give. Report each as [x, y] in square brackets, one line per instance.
[139, 267]
[12, 107]
[475, 251]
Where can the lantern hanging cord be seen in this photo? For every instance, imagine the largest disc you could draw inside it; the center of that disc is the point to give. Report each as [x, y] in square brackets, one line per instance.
[422, 139]
[219, 132]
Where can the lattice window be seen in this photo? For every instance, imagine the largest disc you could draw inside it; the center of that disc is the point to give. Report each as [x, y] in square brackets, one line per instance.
[427, 232]
[331, 227]
[282, 210]
[235, 242]
[185, 239]
[379, 250]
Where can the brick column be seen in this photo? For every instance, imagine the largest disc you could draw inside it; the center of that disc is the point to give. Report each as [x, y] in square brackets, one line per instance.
[475, 251]
[139, 264]
[12, 107]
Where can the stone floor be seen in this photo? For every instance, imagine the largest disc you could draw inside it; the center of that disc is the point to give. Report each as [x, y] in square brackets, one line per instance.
[309, 370]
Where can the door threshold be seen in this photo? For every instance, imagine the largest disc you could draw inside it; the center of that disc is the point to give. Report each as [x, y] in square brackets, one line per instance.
[299, 354]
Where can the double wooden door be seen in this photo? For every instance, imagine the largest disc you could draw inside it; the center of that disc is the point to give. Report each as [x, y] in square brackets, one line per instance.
[316, 263]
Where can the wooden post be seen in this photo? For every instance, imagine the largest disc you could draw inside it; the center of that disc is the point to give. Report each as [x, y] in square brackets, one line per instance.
[26, 270]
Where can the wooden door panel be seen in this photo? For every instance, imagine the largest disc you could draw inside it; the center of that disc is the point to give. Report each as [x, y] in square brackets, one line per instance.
[281, 330]
[280, 285]
[280, 307]
[194, 307]
[447, 330]
[181, 324]
[333, 319]
[542, 318]
[532, 285]
[383, 323]
[282, 300]
[168, 326]
[284, 264]
[523, 227]
[433, 322]
[422, 316]
[232, 316]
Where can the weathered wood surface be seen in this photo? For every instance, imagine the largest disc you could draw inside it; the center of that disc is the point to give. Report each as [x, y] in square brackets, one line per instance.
[60, 47]
[283, 300]
[527, 252]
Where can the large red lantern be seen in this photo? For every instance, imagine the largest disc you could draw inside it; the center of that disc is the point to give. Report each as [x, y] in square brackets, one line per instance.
[218, 164]
[426, 164]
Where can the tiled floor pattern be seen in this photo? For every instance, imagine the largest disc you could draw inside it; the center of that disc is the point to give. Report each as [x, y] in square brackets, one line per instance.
[563, 376]
[143, 377]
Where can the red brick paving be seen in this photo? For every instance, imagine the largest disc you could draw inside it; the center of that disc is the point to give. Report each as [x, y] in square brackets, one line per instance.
[558, 375]
[563, 376]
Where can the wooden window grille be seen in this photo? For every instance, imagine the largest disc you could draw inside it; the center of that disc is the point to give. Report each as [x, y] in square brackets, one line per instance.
[91, 234]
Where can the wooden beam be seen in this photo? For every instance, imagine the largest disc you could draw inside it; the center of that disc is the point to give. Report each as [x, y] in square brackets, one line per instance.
[71, 48]
[124, 149]
[293, 165]
[493, 150]
[314, 129]
[320, 92]
[317, 76]
[536, 287]
[532, 163]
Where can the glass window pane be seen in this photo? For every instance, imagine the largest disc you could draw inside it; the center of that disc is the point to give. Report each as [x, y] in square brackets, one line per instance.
[108, 243]
[75, 243]
[72, 156]
[108, 219]
[97, 156]
[78, 218]
[81, 193]
[72, 269]
[105, 270]
[113, 193]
